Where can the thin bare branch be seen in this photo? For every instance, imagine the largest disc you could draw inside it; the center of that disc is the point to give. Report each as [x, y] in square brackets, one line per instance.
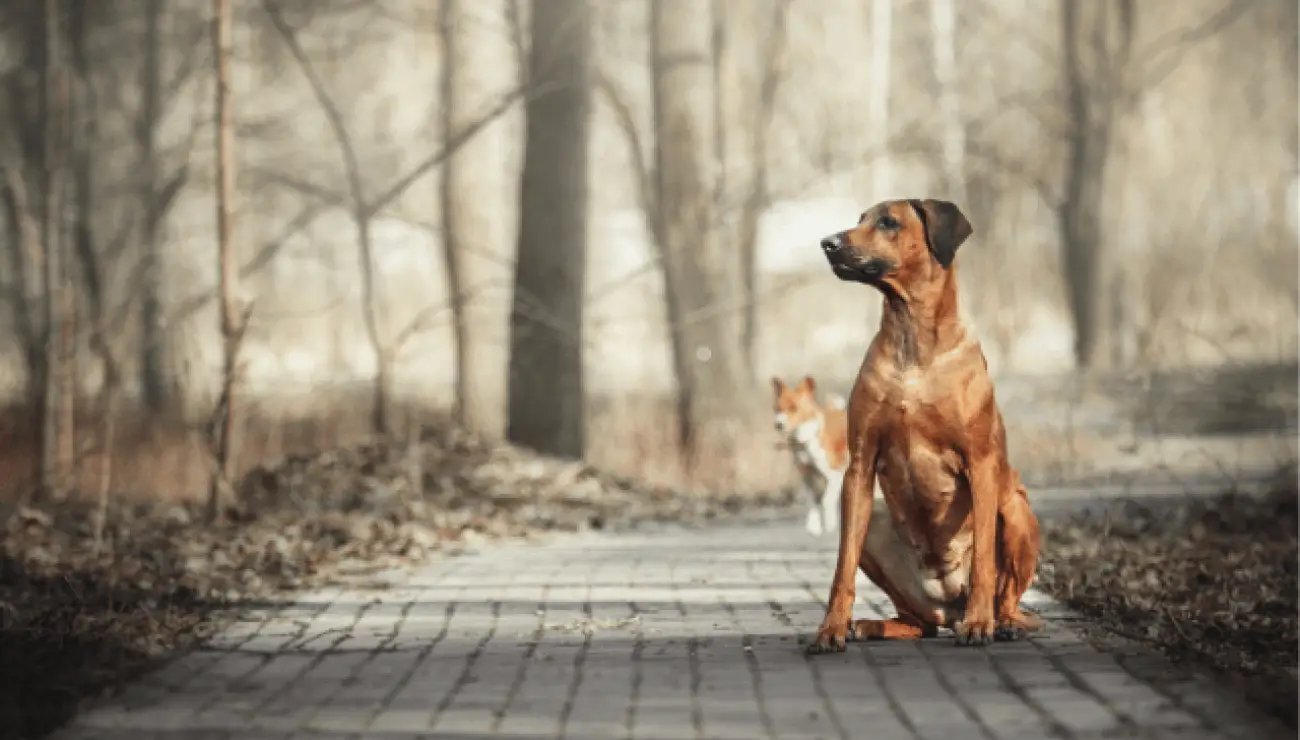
[1017, 170]
[268, 252]
[626, 121]
[450, 145]
[338, 126]
[1169, 50]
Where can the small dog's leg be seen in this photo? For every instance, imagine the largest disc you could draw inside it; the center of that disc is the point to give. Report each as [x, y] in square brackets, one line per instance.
[813, 522]
[830, 503]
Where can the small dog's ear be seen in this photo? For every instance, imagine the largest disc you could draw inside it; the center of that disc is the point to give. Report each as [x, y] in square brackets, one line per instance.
[946, 228]
[777, 386]
[809, 383]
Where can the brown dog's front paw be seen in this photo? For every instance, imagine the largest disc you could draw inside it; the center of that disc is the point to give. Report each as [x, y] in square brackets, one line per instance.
[974, 632]
[830, 639]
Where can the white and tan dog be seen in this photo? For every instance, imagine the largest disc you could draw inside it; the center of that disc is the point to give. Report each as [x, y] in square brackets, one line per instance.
[818, 437]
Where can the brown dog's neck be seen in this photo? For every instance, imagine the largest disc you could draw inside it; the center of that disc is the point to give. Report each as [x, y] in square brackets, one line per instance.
[918, 326]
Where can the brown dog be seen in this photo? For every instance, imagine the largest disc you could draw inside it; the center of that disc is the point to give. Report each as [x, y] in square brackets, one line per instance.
[962, 545]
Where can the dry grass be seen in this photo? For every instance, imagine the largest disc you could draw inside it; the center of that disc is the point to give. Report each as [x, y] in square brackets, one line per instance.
[636, 436]
[167, 458]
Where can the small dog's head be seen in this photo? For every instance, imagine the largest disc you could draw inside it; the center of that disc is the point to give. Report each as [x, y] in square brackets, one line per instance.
[897, 243]
[795, 405]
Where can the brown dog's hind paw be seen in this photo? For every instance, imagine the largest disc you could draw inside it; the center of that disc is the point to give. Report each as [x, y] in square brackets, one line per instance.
[1010, 633]
[1017, 626]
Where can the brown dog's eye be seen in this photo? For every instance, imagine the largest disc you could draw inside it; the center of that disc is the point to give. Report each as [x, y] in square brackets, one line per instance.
[887, 223]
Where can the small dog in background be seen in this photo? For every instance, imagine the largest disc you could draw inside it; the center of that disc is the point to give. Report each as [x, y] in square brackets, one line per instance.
[818, 437]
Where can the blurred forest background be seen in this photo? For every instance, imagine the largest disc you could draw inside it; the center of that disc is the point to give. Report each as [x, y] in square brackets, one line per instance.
[591, 227]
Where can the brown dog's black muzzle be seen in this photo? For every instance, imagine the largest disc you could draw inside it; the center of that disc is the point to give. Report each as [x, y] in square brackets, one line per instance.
[848, 265]
[837, 252]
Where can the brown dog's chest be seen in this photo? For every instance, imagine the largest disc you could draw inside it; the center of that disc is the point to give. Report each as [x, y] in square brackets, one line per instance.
[922, 477]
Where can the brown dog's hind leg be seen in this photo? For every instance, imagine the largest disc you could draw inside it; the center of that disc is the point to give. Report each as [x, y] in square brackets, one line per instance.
[884, 556]
[901, 628]
[1018, 544]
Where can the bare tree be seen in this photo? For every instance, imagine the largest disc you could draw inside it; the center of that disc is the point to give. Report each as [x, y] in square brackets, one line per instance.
[878, 92]
[473, 46]
[943, 19]
[1098, 43]
[1102, 82]
[23, 263]
[87, 249]
[546, 398]
[751, 66]
[153, 351]
[232, 322]
[157, 189]
[701, 285]
[364, 208]
[372, 309]
[23, 141]
[57, 407]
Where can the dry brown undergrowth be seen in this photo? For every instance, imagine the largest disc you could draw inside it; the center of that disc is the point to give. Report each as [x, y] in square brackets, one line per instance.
[1211, 580]
[75, 620]
[157, 457]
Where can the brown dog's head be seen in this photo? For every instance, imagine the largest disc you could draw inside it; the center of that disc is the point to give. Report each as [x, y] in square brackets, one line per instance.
[897, 241]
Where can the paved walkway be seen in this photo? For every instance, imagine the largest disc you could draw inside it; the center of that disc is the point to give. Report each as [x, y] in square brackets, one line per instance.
[667, 635]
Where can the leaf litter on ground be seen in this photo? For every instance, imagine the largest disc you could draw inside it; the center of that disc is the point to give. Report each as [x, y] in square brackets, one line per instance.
[1208, 580]
[77, 620]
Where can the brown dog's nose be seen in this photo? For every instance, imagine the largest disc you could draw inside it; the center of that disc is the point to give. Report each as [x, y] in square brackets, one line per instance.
[832, 243]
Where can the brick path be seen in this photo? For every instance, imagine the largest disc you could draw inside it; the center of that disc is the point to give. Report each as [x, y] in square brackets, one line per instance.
[656, 635]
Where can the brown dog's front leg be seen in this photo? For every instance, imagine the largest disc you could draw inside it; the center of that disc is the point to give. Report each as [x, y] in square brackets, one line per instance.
[976, 626]
[855, 514]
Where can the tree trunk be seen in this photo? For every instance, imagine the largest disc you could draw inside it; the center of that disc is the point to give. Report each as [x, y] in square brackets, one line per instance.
[55, 422]
[878, 98]
[24, 263]
[751, 62]
[471, 189]
[232, 323]
[701, 284]
[546, 399]
[84, 242]
[153, 347]
[1097, 41]
[943, 18]
[89, 258]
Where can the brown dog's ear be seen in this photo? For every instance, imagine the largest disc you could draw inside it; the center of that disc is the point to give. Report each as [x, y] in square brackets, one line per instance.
[777, 385]
[946, 228]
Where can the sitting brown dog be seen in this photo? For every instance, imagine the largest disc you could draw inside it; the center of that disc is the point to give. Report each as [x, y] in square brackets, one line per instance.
[963, 542]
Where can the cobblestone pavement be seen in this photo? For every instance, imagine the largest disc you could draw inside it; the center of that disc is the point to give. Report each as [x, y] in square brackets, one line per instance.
[650, 635]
